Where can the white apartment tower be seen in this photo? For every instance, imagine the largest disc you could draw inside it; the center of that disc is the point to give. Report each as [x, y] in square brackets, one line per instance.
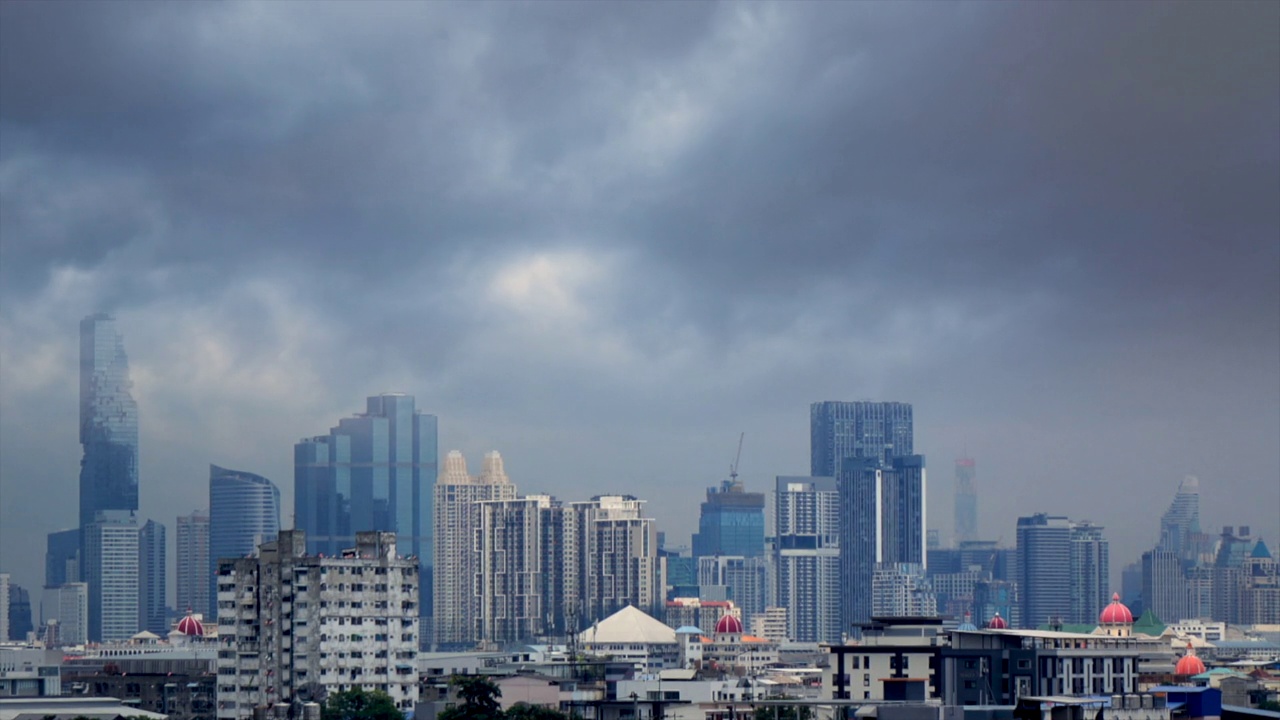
[456, 518]
[111, 571]
[617, 557]
[64, 611]
[806, 558]
[193, 564]
[297, 627]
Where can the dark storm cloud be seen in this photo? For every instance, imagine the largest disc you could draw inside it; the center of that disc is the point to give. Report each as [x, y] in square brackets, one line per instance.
[590, 230]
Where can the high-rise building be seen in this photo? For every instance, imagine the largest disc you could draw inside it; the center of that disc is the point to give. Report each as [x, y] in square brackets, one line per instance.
[745, 580]
[1090, 572]
[618, 563]
[966, 509]
[244, 512]
[108, 422]
[1044, 569]
[62, 557]
[901, 590]
[1180, 524]
[111, 571]
[1164, 584]
[194, 565]
[296, 627]
[839, 430]
[66, 608]
[374, 471]
[455, 523]
[4, 606]
[153, 587]
[731, 522]
[806, 558]
[19, 612]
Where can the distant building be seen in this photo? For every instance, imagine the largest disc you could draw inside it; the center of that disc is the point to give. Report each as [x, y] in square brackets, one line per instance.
[744, 579]
[244, 511]
[839, 430]
[966, 502]
[618, 561]
[20, 617]
[153, 586]
[1164, 584]
[731, 522]
[108, 422]
[807, 557]
[1044, 569]
[193, 564]
[1090, 572]
[111, 571]
[901, 590]
[62, 557]
[455, 524]
[297, 627]
[4, 605]
[65, 610]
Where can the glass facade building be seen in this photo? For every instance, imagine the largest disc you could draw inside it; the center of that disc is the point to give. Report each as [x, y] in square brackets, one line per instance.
[1044, 569]
[731, 523]
[62, 557]
[966, 505]
[153, 578]
[108, 422]
[244, 511]
[840, 430]
[374, 471]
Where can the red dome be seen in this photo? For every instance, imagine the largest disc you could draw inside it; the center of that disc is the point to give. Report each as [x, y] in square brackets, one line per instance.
[997, 623]
[728, 624]
[189, 625]
[1116, 613]
[1189, 664]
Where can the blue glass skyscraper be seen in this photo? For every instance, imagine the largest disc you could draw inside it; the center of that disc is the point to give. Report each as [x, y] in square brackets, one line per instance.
[108, 422]
[731, 523]
[244, 511]
[374, 471]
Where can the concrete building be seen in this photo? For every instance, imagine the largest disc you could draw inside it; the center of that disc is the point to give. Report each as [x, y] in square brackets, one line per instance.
[901, 590]
[192, 564]
[1090, 572]
[30, 672]
[296, 627]
[633, 636]
[111, 571]
[806, 558]
[744, 580]
[153, 585]
[1164, 584]
[456, 519]
[64, 613]
[1044, 569]
[731, 522]
[618, 557]
[966, 503]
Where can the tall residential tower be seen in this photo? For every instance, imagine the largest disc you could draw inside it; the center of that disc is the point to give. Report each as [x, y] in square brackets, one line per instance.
[193, 565]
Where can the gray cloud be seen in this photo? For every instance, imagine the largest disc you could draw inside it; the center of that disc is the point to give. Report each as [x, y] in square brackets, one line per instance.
[605, 238]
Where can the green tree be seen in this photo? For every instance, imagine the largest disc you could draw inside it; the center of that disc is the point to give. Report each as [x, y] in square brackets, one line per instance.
[357, 704]
[479, 696]
[784, 712]
[525, 711]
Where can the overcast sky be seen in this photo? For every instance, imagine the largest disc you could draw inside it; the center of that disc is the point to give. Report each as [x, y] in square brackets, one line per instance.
[604, 239]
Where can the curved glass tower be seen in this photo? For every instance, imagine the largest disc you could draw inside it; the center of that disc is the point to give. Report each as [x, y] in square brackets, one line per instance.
[244, 511]
[108, 422]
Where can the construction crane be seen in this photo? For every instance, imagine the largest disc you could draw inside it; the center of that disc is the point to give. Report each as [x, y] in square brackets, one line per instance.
[733, 469]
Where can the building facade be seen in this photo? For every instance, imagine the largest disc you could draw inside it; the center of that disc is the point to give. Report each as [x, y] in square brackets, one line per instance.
[807, 557]
[62, 557]
[153, 586]
[731, 522]
[902, 590]
[1090, 572]
[839, 430]
[244, 512]
[193, 564]
[108, 422]
[373, 471]
[297, 627]
[966, 502]
[111, 572]
[618, 563]
[1044, 569]
[64, 614]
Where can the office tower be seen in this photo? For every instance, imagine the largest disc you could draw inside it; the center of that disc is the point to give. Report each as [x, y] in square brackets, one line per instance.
[901, 590]
[882, 520]
[455, 522]
[108, 422]
[1131, 588]
[521, 569]
[374, 471]
[4, 606]
[66, 607]
[111, 570]
[1164, 585]
[194, 564]
[997, 596]
[153, 587]
[62, 557]
[296, 627]
[807, 557]
[744, 579]
[244, 512]
[731, 522]
[839, 430]
[1090, 572]
[19, 612]
[1261, 602]
[1044, 569]
[618, 562]
[1180, 524]
[966, 509]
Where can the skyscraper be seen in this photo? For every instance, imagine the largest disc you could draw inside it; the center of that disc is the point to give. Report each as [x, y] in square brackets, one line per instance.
[62, 557]
[839, 430]
[966, 510]
[108, 422]
[193, 564]
[455, 523]
[1164, 585]
[1090, 572]
[152, 579]
[244, 512]
[1044, 569]
[4, 606]
[19, 612]
[618, 564]
[731, 522]
[111, 571]
[374, 471]
[1180, 524]
[67, 608]
[807, 557]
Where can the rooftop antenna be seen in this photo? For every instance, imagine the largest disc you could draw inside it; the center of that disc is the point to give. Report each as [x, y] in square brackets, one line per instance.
[733, 469]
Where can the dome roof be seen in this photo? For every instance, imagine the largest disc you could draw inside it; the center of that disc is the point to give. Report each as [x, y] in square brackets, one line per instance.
[728, 624]
[189, 625]
[1189, 664]
[1116, 613]
[997, 623]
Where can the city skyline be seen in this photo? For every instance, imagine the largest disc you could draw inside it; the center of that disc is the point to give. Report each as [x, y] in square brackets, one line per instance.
[607, 240]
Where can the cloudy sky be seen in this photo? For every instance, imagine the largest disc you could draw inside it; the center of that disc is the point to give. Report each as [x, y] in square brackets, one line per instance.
[607, 238]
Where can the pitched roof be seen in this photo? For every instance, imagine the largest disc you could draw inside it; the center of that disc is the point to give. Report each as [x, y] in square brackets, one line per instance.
[629, 625]
[1148, 624]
